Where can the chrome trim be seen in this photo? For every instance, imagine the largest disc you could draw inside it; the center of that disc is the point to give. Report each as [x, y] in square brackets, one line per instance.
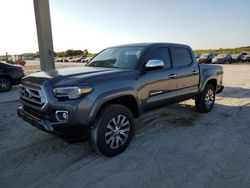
[32, 94]
[154, 64]
[156, 93]
[62, 111]
[172, 76]
[45, 97]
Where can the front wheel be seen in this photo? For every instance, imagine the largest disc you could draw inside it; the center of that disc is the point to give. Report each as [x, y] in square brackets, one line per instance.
[204, 102]
[5, 84]
[113, 130]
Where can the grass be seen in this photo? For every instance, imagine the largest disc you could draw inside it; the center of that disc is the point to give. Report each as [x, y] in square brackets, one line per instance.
[225, 50]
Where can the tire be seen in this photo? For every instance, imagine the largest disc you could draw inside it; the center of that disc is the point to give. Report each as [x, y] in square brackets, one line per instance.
[204, 102]
[5, 84]
[112, 130]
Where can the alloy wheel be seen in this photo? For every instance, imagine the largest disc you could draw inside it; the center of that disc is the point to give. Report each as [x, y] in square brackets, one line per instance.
[4, 84]
[209, 98]
[117, 131]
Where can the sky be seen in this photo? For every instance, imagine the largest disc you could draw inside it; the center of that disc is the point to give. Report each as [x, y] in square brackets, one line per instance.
[97, 24]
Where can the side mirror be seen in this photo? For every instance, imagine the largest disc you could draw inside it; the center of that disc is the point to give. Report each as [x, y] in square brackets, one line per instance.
[154, 64]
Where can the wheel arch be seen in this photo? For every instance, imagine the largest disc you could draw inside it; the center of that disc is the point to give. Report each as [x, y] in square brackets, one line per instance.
[5, 76]
[125, 98]
[213, 81]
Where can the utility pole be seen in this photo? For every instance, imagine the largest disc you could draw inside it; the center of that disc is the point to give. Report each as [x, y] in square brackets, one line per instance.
[6, 57]
[44, 34]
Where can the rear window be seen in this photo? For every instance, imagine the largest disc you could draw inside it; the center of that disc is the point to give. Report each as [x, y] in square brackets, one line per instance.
[182, 57]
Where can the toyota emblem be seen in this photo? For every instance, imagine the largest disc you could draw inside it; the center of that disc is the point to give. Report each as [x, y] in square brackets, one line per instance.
[27, 93]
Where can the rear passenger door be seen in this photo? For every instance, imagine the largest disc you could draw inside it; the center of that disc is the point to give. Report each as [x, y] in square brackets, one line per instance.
[187, 72]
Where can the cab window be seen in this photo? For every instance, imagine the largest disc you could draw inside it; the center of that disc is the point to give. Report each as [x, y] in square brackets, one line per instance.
[182, 57]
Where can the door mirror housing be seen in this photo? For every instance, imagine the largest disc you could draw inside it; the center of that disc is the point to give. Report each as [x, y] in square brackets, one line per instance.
[154, 64]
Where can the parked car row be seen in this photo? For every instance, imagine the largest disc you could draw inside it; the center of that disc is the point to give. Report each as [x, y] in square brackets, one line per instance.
[71, 59]
[206, 58]
[223, 58]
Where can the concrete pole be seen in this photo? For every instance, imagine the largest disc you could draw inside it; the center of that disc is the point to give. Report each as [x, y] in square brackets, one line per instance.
[44, 34]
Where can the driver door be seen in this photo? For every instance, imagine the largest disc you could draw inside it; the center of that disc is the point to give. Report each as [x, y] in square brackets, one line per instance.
[160, 84]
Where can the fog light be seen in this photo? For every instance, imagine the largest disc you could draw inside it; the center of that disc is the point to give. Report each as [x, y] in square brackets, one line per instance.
[62, 116]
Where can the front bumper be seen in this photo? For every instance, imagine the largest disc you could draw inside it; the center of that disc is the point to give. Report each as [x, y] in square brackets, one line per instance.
[44, 125]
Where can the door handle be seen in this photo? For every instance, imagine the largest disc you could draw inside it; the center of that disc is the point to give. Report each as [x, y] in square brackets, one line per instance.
[195, 72]
[172, 76]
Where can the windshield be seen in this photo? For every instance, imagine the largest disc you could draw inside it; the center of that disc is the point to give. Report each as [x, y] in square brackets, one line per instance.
[221, 55]
[118, 57]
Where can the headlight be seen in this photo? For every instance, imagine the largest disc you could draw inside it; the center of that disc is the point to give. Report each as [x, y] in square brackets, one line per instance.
[71, 92]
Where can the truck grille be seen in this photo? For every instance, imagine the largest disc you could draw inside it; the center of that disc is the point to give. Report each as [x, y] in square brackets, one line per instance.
[34, 96]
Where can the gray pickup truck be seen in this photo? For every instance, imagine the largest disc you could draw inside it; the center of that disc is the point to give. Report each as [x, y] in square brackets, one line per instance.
[116, 86]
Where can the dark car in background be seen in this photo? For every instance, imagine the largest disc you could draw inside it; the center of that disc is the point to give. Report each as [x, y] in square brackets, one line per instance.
[236, 58]
[10, 75]
[222, 58]
[206, 58]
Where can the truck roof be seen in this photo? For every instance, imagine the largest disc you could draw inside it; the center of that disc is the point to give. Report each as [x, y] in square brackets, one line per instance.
[149, 44]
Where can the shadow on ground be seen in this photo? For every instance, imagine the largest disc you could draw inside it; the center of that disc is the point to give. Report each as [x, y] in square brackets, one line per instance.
[236, 92]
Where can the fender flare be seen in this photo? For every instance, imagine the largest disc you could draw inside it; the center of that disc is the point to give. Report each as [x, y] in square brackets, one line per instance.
[203, 84]
[111, 95]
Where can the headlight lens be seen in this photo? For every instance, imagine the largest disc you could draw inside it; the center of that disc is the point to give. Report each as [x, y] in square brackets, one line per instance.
[74, 92]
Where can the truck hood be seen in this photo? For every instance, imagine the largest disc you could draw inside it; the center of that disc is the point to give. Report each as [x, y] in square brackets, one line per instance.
[77, 76]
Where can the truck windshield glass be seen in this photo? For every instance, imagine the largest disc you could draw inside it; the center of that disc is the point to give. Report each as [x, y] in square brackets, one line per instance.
[118, 57]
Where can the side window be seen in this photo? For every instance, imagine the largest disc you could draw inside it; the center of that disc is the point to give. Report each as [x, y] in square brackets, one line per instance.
[182, 57]
[161, 54]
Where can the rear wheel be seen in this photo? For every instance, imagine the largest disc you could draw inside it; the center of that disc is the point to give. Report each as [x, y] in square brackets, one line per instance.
[5, 84]
[204, 102]
[113, 130]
